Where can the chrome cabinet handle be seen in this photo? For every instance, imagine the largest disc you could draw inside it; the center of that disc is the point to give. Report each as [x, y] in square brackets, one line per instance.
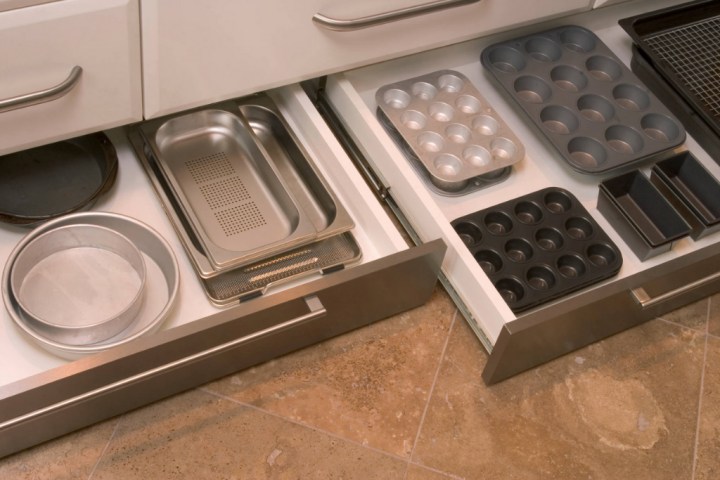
[313, 303]
[41, 96]
[646, 301]
[385, 17]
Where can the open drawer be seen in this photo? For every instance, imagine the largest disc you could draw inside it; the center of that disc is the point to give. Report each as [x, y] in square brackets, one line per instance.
[43, 396]
[518, 341]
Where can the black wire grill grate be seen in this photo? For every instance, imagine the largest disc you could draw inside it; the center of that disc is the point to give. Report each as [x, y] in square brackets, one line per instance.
[693, 53]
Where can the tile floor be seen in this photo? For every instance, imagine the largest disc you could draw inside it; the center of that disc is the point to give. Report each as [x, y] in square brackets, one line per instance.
[403, 399]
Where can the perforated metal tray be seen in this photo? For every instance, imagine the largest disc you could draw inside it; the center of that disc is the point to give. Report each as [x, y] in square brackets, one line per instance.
[244, 186]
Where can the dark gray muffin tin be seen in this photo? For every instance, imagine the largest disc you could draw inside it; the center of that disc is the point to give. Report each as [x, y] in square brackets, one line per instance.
[592, 108]
[539, 247]
[442, 121]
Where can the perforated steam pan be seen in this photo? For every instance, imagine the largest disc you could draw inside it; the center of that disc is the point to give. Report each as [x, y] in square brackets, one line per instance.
[442, 121]
[590, 106]
[539, 247]
[321, 257]
[245, 187]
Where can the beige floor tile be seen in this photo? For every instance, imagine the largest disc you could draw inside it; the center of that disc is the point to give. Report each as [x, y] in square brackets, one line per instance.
[714, 317]
[625, 408]
[419, 473]
[708, 453]
[694, 315]
[70, 457]
[199, 436]
[370, 386]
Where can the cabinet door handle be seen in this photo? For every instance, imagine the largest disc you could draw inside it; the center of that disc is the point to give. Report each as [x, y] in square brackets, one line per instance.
[385, 17]
[646, 301]
[41, 96]
[313, 303]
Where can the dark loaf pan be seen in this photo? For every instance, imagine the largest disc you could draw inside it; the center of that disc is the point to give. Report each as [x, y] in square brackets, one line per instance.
[692, 190]
[640, 214]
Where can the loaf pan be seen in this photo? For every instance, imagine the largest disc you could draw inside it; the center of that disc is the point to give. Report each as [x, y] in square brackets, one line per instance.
[640, 214]
[692, 190]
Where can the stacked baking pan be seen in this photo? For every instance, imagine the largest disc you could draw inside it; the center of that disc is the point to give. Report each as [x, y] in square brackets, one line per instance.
[244, 197]
[85, 282]
[453, 138]
[675, 53]
[592, 108]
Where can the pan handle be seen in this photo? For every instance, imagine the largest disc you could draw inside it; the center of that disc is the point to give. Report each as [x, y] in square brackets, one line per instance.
[41, 96]
[385, 17]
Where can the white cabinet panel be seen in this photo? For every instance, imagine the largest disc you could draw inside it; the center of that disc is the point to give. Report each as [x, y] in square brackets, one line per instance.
[200, 52]
[40, 45]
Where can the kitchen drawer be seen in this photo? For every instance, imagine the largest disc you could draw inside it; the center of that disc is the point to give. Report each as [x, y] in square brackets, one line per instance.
[40, 45]
[196, 53]
[558, 326]
[43, 396]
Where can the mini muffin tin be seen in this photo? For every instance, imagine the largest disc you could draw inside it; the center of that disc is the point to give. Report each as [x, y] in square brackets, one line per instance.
[538, 247]
[592, 108]
[441, 120]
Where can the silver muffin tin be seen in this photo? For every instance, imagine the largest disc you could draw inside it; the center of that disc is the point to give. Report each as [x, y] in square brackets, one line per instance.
[441, 120]
[592, 108]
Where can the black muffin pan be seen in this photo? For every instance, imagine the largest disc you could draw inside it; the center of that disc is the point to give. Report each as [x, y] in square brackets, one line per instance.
[539, 247]
[585, 101]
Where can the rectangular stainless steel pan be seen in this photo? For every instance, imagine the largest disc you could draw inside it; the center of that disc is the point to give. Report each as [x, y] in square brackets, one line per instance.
[246, 188]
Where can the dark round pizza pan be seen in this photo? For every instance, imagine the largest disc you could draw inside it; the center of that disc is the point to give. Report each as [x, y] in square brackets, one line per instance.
[56, 179]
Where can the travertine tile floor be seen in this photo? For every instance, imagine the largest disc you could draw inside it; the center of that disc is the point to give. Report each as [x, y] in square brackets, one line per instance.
[403, 399]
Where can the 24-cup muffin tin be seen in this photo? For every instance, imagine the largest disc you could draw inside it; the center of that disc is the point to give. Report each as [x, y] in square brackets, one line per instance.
[590, 106]
[441, 120]
[538, 247]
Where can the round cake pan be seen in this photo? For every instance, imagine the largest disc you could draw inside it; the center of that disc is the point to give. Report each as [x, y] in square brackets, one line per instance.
[46, 182]
[79, 284]
[161, 286]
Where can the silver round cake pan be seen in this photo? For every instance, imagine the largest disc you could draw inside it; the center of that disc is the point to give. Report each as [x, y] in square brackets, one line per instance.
[79, 284]
[162, 283]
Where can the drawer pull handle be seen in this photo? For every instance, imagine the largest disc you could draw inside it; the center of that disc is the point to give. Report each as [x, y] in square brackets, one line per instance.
[41, 96]
[646, 301]
[385, 17]
[313, 303]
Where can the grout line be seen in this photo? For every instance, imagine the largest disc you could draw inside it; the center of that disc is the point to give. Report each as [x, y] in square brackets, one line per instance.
[702, 390]
[704, 330]
[301, 424]
[439, 472]
[105, 449]
[431, 391]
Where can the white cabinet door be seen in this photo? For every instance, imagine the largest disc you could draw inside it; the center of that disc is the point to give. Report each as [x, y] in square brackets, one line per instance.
[40, 45]
[199, 52]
